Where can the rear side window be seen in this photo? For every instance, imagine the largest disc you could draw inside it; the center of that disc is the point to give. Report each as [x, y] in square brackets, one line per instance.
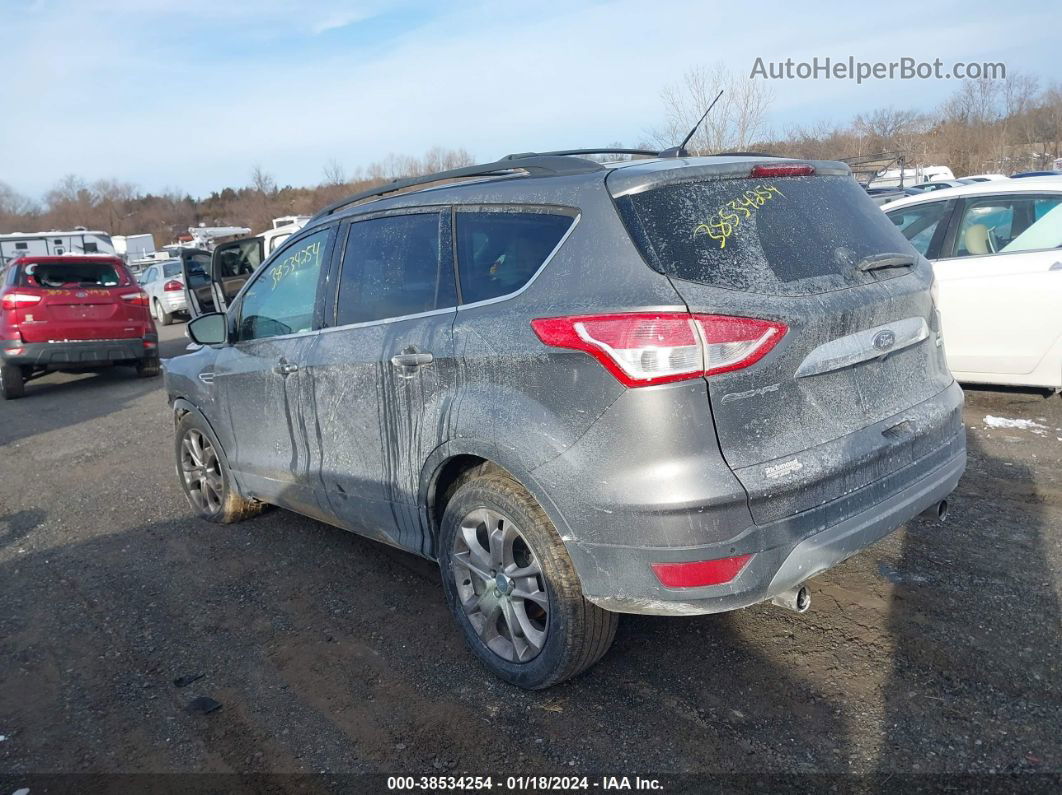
[71, 274]
[499, 252]
[789, 236]
[919, 223]
[392, 267]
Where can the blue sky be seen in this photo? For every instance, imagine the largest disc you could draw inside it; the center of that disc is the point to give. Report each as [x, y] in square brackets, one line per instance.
[191, 94]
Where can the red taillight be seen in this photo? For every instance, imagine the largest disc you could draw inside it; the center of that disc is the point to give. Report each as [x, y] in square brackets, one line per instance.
[136, 299]
[699, 573]
[762, 172]
[17, 300]
[642, 349]
[172, 286]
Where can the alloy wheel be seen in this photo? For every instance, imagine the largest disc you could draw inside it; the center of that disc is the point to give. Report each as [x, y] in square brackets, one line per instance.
[201, 470]
[500, 585]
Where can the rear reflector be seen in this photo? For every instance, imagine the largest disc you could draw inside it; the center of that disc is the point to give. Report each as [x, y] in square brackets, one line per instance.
[14, 300]
[172, 286]
[15, 351]
[761, 172]
[699, 573]
[138, 299]
[643, 349]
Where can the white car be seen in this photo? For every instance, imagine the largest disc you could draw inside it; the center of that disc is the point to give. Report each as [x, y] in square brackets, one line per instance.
[995, 249]
[164, 284]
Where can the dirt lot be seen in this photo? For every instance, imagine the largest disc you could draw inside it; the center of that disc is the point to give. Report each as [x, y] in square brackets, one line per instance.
[936, 651]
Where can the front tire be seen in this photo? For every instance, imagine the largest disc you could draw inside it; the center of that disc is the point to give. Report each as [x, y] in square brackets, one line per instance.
[512, 588]
[12, 381]
[204, 474]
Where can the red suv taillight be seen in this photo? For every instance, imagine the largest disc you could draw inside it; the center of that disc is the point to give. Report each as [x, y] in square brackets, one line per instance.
[137, 299]
[172, 286]
[18, 300]
[642, 349]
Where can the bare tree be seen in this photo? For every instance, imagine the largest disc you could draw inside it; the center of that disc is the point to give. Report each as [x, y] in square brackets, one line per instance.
[263, 182]
[334, 173]
[737, 120]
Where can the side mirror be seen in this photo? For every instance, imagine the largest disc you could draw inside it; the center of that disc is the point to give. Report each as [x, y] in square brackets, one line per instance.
[209, 329]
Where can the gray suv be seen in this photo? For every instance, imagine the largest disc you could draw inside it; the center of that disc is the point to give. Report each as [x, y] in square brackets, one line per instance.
[670, 385]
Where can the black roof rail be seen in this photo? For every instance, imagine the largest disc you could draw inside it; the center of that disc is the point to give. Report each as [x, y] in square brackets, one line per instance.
[545, 164]
[569, 152]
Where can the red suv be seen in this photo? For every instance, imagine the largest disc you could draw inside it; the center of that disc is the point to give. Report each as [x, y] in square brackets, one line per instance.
[72, 313]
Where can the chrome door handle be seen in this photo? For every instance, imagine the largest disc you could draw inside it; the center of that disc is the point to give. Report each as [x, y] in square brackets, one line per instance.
[284, 368]
[412, 359]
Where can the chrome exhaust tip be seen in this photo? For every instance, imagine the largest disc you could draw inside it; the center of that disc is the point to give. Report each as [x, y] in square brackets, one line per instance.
[797, 599]
[936, 513]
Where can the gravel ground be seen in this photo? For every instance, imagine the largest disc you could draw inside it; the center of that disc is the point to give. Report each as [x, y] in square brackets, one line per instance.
[935, 651]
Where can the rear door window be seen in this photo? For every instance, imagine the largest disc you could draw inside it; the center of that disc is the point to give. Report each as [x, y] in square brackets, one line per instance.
[498, 252]
[393, 267]
[788, 236]
[71, 274]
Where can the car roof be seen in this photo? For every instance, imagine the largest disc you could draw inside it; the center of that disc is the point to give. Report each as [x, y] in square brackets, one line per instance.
[625, 176]
[990, 188]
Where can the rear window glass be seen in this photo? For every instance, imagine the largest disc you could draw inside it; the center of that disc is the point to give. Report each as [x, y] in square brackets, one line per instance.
[499, 252]
[789, 236]
[171, 269]
[71, 274]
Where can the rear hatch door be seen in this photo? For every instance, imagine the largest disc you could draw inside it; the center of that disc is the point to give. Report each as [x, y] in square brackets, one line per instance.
[816, 418]
[79, 300]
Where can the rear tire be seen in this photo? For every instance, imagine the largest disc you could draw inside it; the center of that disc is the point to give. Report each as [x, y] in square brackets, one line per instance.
[12, 381]
[551, 635]
[203, 472]
[164, 317]
[148, 368]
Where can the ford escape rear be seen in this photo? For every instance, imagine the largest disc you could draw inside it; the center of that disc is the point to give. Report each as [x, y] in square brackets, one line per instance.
[669, 386]
[72, 313]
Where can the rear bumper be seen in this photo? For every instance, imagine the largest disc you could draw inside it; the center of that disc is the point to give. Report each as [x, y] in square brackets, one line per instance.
[173, 301]
[668, 497]
[89, 353]
[769, 572]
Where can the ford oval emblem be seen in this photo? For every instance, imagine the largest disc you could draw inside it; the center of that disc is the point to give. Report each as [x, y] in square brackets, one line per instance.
[81, 294]
[884, 340]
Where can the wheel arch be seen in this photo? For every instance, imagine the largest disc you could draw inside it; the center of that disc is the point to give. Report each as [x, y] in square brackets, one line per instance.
[452, 462]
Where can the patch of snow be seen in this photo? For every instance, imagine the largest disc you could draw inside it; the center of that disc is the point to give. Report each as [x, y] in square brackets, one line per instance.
[1008, 422]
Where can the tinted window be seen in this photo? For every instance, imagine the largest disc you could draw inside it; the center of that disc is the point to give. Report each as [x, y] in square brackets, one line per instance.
[783, 236]
[80, 274]
[919, 223]
[498, 252]
[282, 299]
[171, 269]
[392, 267]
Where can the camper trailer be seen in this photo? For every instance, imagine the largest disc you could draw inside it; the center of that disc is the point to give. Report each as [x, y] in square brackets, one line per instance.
[55, 242]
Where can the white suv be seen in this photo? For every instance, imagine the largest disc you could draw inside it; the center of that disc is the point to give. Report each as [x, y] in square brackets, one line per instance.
[995, 248]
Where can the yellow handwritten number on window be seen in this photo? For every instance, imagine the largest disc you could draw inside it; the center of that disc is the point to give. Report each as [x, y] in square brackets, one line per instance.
[723, 223]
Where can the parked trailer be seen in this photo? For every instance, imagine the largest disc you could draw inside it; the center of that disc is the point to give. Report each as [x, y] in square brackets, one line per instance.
[55, 242]
[133, 247]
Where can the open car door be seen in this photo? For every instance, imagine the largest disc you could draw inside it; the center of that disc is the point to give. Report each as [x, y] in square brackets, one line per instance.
[212, 281]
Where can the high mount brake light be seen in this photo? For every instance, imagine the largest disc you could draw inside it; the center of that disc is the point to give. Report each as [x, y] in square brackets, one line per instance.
[762, 172]
[15, 300]
[643, 349]
[172, 286]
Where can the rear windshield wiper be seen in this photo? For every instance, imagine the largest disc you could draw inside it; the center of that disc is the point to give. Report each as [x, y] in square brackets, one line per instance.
[878, 261]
